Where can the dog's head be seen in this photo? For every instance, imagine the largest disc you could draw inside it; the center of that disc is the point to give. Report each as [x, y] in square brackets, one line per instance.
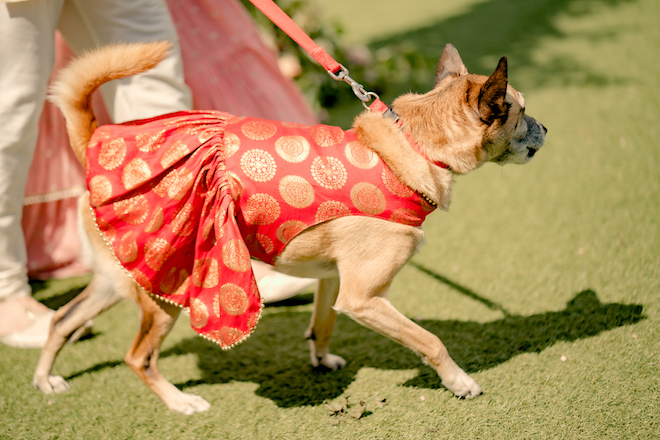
[472, 119]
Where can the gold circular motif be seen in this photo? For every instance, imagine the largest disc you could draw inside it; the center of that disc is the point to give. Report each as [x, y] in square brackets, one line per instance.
[331, 209]
[235, 255]
[180, 184]
[133, 210]
[326, 135]
[156, 221]
[228, 336]
[175, 184]
[206, 273]
[156, 252]
[258, 165]
[266, 243]
[367, 198]
[174, 153]
[109, 234]
[208, 134]
[405, 216]
[292, 149]
[199, 313]
[261, 209]
[290, 229]
[175, 282]
[253, 318]
[259, 243]
[394, 185]
[258, 130]
[232, 144]
[296, 191]
[140, 278]
[135, 173]
[219, 223]
[149, 142]
[100, 189]
[182, 223]
[127, 249]
[329, 172]
[360, 156]
[207, 227]
[232, 299]
[112, 153]
[107, 230]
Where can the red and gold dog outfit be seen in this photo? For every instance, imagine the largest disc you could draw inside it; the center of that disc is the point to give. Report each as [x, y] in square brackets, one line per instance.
[184, 200]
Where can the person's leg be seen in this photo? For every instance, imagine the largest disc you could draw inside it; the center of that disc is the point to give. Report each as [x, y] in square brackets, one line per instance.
[86, 24]
[26, 48]
[275, 286]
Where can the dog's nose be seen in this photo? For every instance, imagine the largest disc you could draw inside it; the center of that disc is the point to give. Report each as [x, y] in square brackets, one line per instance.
[545, 130]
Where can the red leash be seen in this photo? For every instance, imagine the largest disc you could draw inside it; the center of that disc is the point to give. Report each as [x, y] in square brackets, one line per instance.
[284, 22]
[337, 71]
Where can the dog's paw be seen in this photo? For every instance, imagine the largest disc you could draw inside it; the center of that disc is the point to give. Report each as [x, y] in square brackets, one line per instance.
[188, 404]
[463, 386]
[329, 361]
[51, 384]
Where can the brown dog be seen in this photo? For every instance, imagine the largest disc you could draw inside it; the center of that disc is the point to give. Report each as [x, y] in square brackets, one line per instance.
[465, 121]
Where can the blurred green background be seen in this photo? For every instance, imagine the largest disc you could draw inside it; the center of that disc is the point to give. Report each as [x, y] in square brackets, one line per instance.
[542, 280]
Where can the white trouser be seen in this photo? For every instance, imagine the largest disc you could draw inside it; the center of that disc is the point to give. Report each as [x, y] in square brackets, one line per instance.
[27, 34]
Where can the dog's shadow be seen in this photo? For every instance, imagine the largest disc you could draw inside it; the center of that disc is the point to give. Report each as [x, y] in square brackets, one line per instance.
[276, 356]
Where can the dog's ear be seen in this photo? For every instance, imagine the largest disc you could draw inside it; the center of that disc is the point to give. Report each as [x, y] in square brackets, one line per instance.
[450, 64]
[492, 95]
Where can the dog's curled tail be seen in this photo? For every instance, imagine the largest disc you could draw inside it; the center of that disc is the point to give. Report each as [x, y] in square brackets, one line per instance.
[72, 91]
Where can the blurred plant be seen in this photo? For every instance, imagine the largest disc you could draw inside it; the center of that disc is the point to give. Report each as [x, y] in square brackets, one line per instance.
[384, 70]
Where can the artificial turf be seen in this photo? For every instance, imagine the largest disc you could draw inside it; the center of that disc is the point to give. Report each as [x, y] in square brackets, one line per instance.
[543, 280]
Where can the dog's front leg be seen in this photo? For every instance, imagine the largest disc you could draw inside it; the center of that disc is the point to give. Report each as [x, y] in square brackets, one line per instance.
[323, 322]
[373, 310]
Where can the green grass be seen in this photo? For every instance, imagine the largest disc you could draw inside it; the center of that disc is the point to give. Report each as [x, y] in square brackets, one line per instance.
[543, 280]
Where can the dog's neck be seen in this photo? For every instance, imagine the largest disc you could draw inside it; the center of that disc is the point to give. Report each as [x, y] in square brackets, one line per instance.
[415, 146]
[404, 157]
[388, 113]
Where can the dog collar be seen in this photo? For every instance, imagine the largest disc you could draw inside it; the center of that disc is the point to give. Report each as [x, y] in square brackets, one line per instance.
[388, 113]
[419, 150]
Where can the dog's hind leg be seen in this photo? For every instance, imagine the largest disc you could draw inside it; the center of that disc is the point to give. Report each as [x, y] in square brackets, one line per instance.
[156, 321]
[322, 324]
[98, 296]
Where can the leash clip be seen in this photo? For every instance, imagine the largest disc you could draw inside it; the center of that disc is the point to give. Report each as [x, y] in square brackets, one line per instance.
[358, 89]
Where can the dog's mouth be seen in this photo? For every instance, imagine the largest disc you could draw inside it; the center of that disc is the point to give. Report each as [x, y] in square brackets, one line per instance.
[531, 152]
